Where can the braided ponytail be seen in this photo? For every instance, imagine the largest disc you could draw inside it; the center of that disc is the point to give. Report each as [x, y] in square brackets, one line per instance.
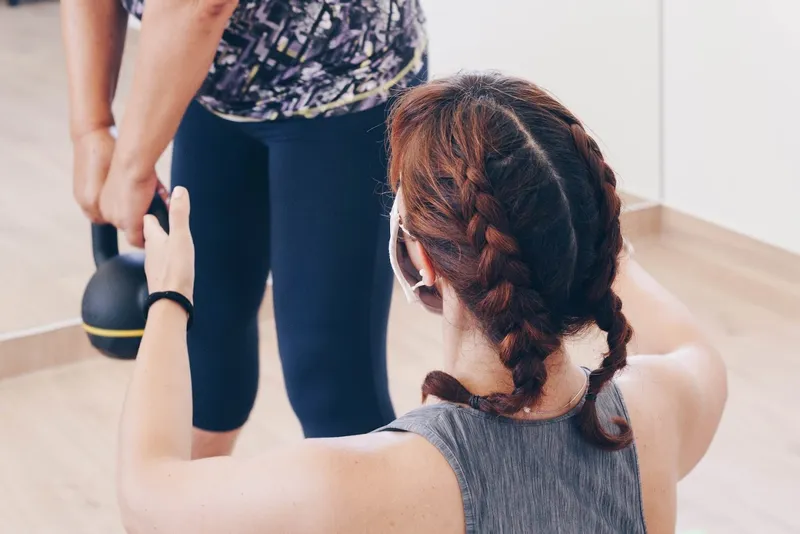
[606, 305]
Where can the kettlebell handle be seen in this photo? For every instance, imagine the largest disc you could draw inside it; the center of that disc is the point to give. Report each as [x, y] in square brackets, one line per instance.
[105, 243]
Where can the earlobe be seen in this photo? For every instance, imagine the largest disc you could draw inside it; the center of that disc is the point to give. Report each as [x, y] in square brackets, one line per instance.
[421, 260]
[428, 273]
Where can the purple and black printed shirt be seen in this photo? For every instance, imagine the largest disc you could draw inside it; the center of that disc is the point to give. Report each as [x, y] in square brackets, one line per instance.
[284, 58]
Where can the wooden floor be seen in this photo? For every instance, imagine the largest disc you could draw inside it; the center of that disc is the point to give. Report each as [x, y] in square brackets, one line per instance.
[58, 426]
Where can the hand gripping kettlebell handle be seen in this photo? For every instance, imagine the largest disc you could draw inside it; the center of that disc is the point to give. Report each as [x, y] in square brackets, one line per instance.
[105, 241]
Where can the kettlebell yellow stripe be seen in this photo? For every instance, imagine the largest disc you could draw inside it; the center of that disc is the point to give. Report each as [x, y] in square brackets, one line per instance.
[105, 332]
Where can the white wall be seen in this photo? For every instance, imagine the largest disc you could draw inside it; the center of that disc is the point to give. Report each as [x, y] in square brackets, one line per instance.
[599, 57]
[732, 112]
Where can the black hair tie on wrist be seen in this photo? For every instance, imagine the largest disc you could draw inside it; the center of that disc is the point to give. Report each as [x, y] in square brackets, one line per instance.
[174, 296]
[475, 402]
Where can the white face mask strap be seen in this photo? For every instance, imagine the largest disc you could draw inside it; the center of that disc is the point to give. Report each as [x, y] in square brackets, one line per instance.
[418, 285]
[394, 227]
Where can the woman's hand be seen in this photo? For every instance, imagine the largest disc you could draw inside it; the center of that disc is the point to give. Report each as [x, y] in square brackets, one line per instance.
[92, 153]
[169, 258]
[104, 194]
[125, 199]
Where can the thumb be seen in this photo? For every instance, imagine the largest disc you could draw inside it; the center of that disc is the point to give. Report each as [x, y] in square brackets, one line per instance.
[179, 211]
[152, 229]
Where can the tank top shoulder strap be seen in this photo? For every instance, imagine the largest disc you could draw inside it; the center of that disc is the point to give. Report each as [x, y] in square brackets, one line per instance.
[611, 403]
[438, 424]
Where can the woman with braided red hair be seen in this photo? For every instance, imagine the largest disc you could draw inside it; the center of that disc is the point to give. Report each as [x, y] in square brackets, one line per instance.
[506, 221]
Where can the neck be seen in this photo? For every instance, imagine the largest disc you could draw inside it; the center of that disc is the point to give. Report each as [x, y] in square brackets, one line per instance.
[470, 358]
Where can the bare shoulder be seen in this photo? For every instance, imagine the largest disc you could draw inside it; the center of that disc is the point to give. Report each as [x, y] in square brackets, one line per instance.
[383, 482]
[393, 482]
[683, 392]
[650, 405]
[675, 404]
[649, 389]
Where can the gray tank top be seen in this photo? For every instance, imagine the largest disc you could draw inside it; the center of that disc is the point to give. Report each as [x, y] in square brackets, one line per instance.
[534, 476]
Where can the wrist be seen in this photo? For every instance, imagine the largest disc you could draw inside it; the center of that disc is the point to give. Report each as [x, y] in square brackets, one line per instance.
[79, 129]
[167, 311]
[125, 165]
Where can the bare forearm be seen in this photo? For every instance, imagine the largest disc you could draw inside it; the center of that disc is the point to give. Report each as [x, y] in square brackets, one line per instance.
[660, 321]
[176, 47]
[157, 417]
[94, 38]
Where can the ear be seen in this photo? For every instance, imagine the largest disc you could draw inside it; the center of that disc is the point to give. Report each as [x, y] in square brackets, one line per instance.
[426, 271]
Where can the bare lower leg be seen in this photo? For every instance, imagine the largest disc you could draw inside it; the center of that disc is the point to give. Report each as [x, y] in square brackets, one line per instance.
[206, 444]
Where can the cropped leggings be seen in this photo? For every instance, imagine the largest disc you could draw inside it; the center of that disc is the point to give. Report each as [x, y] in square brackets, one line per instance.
[301, 199]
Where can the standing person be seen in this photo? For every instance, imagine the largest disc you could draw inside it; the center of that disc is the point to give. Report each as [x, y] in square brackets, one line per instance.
[277, 109]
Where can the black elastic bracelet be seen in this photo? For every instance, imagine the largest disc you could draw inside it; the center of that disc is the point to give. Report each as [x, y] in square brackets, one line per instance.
[174, 296]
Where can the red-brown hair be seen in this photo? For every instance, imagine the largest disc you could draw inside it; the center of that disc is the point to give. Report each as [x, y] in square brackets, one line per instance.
[518, 211]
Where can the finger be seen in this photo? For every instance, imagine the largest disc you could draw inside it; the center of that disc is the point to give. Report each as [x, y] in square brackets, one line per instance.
[108, 216]
[152, 229]
[179, 211]
[89, 206]
[93, 214]
[134, 235]
[162, 191]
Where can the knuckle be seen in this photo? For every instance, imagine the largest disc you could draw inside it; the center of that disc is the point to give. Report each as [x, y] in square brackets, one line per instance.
[81, 197]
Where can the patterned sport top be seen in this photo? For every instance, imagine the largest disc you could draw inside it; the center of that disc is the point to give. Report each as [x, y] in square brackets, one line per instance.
[284, 58]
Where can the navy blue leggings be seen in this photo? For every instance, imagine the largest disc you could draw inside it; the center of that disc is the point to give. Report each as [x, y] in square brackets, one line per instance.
[302, 199]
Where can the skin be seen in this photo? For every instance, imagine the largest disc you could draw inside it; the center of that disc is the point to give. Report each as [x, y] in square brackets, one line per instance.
[342, 484]
[94, 36]
[114, 180]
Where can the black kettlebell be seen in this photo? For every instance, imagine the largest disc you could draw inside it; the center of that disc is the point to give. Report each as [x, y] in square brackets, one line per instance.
[113, 301]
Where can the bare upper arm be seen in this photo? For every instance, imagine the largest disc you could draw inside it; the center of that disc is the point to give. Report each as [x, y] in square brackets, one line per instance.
[687, 389]
[381, 482]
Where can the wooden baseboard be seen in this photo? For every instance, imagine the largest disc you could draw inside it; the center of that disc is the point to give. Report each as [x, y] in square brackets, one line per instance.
[40, 348]
[746, 250]
[641, 221]
[755, 269]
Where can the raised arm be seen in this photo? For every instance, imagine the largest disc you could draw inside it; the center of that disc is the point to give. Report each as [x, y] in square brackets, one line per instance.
[677, 357]
[176, 47]
[351, 484]
[160, 488]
